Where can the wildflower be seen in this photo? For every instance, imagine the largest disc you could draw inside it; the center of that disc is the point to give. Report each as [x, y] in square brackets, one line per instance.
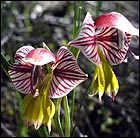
[105, 42]
[42, 75]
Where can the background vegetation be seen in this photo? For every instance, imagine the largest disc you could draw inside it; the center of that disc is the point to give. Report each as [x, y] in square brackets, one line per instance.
[31, 23]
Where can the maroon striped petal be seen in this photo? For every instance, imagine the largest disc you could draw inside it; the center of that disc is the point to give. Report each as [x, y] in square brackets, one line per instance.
[116, 20]
[66, 75]
[114, 44]
[86, 40]
[21, 53]
[21, 76]
[39, 56]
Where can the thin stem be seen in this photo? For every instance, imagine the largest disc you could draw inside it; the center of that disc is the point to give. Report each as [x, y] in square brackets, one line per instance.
[74, 20]
[57, 118]
[76, 24]
[43, 132]
[72, 106]
[67, 117]
[98, 8]
[79, 14]
[76, 28]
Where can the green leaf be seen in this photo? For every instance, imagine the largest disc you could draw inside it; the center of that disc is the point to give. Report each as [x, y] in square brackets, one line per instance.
[4, 65]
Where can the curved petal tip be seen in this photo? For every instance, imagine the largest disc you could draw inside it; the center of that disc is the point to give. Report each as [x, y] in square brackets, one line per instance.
[116, 20]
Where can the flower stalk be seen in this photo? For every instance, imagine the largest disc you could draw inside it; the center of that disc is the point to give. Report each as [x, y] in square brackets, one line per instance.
[57, 119]
[67, 117]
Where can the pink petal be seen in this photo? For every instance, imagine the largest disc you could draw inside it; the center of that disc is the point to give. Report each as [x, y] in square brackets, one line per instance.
[21, 53]
[116, 20]
[86, 42]
[21, 76]
[114, 44]
[66, 75]
[39, 56]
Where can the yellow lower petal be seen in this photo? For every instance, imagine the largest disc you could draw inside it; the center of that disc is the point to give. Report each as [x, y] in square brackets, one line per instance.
[33, 111]
[113, 87]
[104, 79]
[48, 111]
[39, 109]
[112, 84]
[101, 81]
[98, 82]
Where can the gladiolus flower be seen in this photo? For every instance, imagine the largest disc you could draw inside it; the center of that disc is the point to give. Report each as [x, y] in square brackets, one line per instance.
[105, 41]
[42, 75]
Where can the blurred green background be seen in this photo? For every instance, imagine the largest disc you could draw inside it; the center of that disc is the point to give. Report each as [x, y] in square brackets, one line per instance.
[34, 22]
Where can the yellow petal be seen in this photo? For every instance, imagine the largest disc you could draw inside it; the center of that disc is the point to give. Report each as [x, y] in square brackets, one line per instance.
[112, 88]
[101, 81]
[104, 79]
[48, 111]
[111, 80]
[98, 82]
[39, 109]
[33, 112]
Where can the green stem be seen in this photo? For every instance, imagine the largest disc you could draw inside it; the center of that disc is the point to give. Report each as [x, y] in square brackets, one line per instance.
[43, 132]
[98, 8]
[67, 117]
[76, 24]
[76, 27]
[79, 15]
[74, 20]
[57, 118]
[72, 106]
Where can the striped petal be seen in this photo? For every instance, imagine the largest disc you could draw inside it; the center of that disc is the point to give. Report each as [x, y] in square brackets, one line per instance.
[85, 41]
[66, 75]
[21, 53]
[116, 20]
[113, 43]
[21, 76]
[39, 56]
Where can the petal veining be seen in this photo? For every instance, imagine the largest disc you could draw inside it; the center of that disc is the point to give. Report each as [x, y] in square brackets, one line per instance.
[21, 76]
[114, 44]
[116, 20]
[21, 53]
[66, 75]
[86, 40]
